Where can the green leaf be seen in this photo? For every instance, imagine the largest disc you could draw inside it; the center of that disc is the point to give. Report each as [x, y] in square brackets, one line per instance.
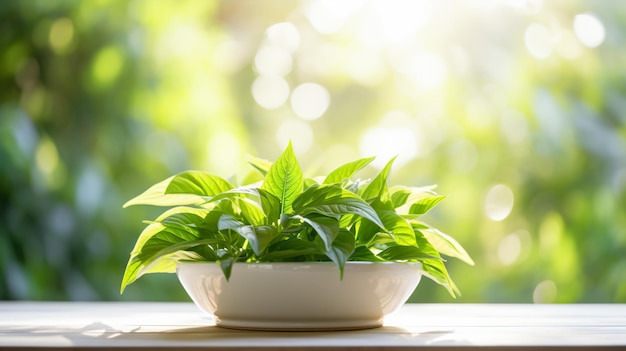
[425, 204]
[447, 245]
[404, 253]
[252, 212]
[362, 253]
[156, 196]
[198, 183]
[258, 237]
[346, 171]
[332, 200]
[259, 164]
[434, 268]
[155, 243]
[437, 272]
[290, 248]
[270, 205]
[326, 227]
[284, 179]
[226, 262]
[397, 228]
[377, 189]
[399, 196]
[341, 249]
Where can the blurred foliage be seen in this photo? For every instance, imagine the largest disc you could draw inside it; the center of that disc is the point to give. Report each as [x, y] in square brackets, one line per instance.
[514, 108]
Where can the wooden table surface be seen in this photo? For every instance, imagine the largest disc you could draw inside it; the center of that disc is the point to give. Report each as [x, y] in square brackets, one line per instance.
[125, 325]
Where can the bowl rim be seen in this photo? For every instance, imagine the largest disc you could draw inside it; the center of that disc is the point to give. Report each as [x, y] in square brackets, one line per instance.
[303, 264]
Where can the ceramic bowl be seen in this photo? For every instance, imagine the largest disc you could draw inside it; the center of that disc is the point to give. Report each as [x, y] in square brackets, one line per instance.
[300, 296]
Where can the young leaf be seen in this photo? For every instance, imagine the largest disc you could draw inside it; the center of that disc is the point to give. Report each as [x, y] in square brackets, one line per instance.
[404, 253]
[447, 245]
[289, 249]
[399, 228]
[258, 237]
[326, 227]
[346, 171]
[396, 226]
[284, 179]
[341, 249]
[331, 200]
[362, 253]
[378, 189]
[156, 196]
[156, 242]
[434, 268]
[198, 183]
[399, 196]
[251, 211]
[261, 165]
[425, 204]
[436, 271]
[270, 205]
[163, 264]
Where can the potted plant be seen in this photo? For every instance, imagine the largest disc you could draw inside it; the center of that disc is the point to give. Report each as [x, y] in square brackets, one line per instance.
[289, 252]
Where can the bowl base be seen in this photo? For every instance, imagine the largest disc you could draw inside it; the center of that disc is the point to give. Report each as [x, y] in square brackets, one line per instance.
[299, 325]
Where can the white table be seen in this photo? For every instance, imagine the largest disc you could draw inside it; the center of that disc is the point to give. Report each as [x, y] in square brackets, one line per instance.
[181, 326]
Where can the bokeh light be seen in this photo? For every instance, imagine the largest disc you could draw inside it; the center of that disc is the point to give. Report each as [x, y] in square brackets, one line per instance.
[310, 100]
[589, 30]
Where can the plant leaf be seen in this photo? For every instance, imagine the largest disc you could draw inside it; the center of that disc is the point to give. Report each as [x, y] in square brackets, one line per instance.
[437, 272]
[447, 245]
[258, 237]
[332, 200]
[435, 268]
[341, 249]
[284, 179]
[290, 248]
[198, 183]
[326, 227]
[346, 171]
[362, 253]
[404, 253]
[251, 211]
[156, 196]
[155, 243]
[259, 164]
[399, 196]
[377, 188]
[425, 204]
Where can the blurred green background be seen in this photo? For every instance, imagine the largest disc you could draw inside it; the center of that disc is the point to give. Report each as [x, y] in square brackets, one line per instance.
[516, 109]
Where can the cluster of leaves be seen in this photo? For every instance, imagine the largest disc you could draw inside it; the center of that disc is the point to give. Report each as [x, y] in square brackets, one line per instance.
[287, 218]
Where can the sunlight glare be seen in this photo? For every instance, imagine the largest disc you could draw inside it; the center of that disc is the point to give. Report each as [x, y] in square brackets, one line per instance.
[539, 41]
[309, 101]
[270, 92]
[283, 35]
[509, 249]
[589, 30]
[401, 19]
[425, 70]
[298, 132]
[273, 61]
[545, 292]
[329, 16]
[389, 140]
[367, 67]
[499, 202]
[223, 153]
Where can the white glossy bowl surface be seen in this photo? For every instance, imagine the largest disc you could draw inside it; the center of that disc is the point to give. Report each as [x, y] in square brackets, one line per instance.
[299, 296]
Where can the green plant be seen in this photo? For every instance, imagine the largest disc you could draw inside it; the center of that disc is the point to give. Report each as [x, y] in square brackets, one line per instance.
[287, 218]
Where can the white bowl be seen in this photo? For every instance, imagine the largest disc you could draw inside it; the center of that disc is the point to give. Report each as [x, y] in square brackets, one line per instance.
[299, 295]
